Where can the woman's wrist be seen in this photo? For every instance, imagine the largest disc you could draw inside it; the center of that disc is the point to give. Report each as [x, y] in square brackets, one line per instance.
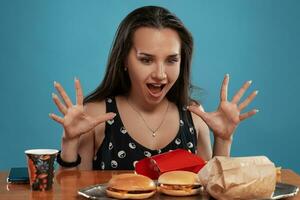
[222, 146]
[69, 149]
[224, 140]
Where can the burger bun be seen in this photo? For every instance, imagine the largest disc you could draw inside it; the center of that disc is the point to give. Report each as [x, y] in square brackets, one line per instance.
[179, 183]
[130, 186]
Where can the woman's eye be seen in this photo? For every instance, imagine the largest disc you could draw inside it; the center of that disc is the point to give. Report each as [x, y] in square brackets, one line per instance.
[172, 61]
[146, 60]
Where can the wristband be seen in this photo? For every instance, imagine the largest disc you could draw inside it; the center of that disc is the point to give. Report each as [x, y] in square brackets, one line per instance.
[63, 163]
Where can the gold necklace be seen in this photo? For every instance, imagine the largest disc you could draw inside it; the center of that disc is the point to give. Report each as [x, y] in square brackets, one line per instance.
[153, 131]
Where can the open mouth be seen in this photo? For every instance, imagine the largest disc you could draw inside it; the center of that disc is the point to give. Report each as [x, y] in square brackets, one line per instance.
[155, 88]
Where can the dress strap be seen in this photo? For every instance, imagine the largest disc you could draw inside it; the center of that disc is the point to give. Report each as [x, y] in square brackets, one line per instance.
[111, 105]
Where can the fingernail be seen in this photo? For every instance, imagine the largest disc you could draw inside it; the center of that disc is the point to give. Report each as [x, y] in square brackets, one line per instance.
[256, 92]
[75, 78]
[54, 83]
[250, 81]
[50, 114]
[53, 95]
[227, 75]
[256, 110]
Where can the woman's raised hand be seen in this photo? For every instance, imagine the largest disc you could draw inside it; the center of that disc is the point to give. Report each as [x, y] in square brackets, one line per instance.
[75, 121]
[226, 118]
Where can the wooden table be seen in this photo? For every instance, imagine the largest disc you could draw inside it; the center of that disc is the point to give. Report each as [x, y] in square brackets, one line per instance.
[67, 183]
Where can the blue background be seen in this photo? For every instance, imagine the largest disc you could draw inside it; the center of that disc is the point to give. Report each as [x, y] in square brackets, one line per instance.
[43, 41]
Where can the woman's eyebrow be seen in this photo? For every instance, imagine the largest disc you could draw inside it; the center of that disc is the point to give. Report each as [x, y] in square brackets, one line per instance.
[139, 53]
[144, 54]
[174, 55]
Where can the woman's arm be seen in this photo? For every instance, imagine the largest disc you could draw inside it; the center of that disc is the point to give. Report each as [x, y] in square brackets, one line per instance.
[220, 147]
[79, 123]
[224, 121]
[83, 146]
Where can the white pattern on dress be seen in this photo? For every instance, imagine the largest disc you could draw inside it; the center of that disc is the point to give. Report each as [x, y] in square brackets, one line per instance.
[192, 130]
[123, 130]
[147, 153]
[132, 145]
[190, 145]
[114, 164]
[134, 163]
[122, 154]
[177, 141]
[181, 123]
[110, 146]
[109, 100]
[110, 122]
[102, 165]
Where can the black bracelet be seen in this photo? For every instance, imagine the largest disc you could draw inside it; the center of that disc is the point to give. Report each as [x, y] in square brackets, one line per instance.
[63, 163]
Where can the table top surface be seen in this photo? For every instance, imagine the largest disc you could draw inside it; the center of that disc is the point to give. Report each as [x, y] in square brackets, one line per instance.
[67, 183]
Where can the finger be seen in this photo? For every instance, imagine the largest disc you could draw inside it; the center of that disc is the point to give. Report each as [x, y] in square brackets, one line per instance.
[103, 118]
[248, 114]
[237, 97]
[248, 100]
[198, 112]
[63, 94]
[79, 93]
[61, 107]
[224, 88]
[56, 118]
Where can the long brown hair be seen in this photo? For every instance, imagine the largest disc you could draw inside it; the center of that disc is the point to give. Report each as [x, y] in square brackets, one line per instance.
[116, 81]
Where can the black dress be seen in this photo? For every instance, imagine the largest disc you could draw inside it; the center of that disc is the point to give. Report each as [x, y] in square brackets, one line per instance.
[119, 151]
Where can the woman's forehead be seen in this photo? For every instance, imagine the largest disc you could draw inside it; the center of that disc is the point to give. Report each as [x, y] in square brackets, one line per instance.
[156, 41]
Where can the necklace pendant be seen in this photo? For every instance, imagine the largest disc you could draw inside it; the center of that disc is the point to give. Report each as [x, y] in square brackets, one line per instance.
[153, 134]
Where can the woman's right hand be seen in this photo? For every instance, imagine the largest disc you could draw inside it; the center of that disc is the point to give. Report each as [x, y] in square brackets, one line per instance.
[75, 121]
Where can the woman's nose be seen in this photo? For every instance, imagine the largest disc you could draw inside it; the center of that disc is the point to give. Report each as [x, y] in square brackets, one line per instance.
[159, 72]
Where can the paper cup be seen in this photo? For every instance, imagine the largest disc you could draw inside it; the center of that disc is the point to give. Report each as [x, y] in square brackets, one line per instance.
[41, 168]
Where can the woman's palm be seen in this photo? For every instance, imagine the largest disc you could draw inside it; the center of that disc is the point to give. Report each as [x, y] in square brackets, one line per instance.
[225, 120]
[75, 121]
[227, 117]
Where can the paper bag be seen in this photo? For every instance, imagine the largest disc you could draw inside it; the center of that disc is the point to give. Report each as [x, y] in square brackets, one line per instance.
[239, 178]
[178, 159]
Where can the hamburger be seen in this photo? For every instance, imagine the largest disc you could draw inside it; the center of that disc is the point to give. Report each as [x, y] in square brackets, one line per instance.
[130, 186]
[179, 183]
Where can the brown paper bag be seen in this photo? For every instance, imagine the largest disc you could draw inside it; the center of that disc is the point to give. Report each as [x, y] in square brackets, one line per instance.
[239, 178]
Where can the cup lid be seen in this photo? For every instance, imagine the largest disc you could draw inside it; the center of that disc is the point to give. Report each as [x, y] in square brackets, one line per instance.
[41, 151]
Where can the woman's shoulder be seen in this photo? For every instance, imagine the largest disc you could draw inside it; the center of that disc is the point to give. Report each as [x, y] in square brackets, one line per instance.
[95, 108]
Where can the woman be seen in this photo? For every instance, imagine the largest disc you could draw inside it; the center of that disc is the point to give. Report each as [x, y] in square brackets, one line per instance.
[145, 101]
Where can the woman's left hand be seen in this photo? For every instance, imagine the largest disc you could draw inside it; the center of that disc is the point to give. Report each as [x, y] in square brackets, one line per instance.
[225, 120]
